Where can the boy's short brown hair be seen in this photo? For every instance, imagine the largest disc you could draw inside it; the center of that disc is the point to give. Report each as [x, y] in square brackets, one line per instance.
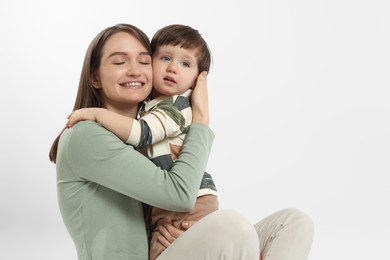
[187, 38]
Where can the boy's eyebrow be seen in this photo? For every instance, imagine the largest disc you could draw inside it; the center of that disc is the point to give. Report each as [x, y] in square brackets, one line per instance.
[189, 57]
[185, 56]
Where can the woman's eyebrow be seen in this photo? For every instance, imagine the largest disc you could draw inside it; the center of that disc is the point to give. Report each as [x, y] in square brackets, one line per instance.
[145, 53]
[117, 53]
[121, 53]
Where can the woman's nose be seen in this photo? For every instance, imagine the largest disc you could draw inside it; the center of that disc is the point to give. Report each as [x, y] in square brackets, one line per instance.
[133, 70]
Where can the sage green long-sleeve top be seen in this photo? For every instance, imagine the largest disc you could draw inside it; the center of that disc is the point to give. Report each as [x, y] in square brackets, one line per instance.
[102, 183]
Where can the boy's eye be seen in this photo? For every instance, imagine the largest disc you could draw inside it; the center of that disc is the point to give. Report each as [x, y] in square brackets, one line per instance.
[165, 58]
[185, 64]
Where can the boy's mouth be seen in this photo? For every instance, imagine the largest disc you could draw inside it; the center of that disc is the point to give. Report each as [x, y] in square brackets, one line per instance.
[169, 79]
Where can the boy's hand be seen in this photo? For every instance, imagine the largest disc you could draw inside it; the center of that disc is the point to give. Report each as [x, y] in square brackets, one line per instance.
[81, 115]
[204, 205]
[167, 233]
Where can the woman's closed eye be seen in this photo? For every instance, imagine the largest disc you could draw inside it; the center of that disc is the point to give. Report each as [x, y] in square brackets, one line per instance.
[145, 60]
[119, 61]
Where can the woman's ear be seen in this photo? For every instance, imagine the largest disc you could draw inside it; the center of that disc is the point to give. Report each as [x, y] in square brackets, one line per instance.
[96, 81]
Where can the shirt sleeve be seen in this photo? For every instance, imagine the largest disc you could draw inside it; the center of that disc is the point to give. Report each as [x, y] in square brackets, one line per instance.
[135, 134]
[164, 121]
[95, 154]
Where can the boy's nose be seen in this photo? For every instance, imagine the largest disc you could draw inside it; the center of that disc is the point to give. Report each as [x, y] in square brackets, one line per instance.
[171, 67]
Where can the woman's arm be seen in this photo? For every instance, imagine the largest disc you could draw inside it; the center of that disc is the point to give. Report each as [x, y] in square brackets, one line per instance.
[89, 152]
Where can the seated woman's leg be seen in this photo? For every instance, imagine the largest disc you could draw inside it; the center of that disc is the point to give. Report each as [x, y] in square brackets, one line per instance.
[285, 235]
[223, 234]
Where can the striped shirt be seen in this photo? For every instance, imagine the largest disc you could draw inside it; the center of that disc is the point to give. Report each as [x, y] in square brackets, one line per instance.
[160, 132]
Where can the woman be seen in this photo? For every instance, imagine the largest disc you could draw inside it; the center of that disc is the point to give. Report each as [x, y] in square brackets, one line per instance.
[103, 183]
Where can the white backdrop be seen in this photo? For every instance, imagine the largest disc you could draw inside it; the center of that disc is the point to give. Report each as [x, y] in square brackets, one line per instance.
[299, 95]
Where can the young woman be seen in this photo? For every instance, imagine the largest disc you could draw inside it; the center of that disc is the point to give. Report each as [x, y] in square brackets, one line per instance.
[104, 183]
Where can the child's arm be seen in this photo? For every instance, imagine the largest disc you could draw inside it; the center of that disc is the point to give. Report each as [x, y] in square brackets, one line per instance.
[128, 129]
[165, 121]
[116, 123]
[169, 118]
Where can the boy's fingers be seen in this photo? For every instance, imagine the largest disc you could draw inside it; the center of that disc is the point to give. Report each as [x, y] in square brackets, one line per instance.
[187, 224]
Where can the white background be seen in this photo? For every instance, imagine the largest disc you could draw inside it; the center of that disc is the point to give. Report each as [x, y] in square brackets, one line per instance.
[299, 95]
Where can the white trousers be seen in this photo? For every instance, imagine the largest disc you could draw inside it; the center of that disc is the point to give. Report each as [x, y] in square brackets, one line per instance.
[227, 235]
[285, 235]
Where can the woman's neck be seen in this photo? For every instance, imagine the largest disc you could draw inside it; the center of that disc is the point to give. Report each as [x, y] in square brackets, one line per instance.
[125, 111]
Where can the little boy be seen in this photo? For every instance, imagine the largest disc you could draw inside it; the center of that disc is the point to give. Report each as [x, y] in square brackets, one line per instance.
[179, 55]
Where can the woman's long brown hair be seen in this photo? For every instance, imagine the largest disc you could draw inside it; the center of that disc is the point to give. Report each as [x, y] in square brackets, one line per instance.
[87, 95]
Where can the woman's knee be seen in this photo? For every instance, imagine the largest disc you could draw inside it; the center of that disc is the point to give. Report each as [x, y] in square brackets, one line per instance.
[288, 220]
[300, 218]
[230, 222]
[298, 224]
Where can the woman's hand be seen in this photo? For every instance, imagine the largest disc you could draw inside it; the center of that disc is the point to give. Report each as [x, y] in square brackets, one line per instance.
[200, 101]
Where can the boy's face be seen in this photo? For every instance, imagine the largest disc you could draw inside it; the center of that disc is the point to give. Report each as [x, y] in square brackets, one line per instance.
[175, 70]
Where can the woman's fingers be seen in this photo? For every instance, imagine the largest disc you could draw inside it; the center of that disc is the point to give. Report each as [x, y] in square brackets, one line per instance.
[199, 100]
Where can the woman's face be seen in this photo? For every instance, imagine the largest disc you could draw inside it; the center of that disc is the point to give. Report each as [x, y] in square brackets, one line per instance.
[125, 73]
